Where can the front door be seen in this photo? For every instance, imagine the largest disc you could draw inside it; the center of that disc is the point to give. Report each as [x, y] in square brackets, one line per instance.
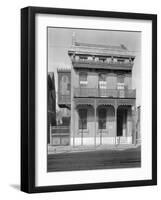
[119, 123]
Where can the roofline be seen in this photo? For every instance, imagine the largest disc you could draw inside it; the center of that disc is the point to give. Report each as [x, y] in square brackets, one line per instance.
[70, 52]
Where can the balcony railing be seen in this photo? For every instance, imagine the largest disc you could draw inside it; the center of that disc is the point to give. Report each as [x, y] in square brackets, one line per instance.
[103, 61]
[102, 64]
[96, 92]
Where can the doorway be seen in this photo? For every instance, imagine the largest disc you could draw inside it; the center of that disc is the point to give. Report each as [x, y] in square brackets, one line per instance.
[121, 122]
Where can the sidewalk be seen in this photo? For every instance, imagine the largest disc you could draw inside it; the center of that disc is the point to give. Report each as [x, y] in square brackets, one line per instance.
[72, 149]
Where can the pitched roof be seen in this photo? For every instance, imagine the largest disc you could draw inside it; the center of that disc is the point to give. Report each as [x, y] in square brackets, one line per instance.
[100, 49]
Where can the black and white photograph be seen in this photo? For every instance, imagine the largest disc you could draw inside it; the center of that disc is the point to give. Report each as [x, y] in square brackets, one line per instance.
[89, 111]
[93, 99]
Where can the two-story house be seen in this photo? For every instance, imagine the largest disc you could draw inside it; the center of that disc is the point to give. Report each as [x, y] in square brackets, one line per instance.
[99, 94]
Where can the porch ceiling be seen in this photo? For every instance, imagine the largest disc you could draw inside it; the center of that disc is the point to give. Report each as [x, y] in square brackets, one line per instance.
[95, 102]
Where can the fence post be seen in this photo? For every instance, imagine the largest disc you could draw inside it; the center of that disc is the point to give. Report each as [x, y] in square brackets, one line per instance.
[134, 124]
[82, 133]
[115, 124]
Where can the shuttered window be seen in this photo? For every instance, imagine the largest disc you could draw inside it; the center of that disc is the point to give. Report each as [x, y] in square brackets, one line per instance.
[120, 82]
[102, 81]
[83, 79]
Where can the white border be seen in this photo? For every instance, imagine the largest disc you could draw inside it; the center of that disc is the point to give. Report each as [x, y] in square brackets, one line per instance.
[92, 176]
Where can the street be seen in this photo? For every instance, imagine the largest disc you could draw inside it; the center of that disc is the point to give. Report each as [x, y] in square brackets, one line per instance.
[102, 159]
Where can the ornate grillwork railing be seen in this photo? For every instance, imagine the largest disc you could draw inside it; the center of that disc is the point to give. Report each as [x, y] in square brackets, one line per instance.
[102, 64]
[96, 92]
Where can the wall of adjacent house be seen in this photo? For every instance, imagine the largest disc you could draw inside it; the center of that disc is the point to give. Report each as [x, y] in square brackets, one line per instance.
[64, 83]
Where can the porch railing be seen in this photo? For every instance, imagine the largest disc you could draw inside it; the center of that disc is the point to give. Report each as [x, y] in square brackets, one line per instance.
[96, 92]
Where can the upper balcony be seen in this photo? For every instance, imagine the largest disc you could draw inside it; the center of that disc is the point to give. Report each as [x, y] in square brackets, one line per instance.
[101, 56]
[102, 64]
[109, 93]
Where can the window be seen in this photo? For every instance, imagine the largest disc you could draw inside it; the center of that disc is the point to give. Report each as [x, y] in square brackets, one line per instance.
[82, 118]
[120, 82]
[102, 85]
[83, 79]
[102, 118]
[102, 81]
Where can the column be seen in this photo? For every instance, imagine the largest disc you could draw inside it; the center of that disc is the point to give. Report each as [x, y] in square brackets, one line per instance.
[95, 121]
[73, 118]
[115, 122]
[72, 131]
[134, 124]
[125, 123]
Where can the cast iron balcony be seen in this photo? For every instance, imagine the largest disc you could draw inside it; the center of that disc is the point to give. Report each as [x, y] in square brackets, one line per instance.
[102, 64]
[110, 93]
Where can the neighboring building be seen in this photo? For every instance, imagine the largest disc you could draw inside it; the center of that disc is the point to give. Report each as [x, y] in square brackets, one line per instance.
[61, 132]
[51, 104]
[99, 92]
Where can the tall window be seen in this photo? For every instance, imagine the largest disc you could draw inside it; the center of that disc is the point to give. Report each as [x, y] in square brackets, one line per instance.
[102, 85]
[120, 82]
[102, 81]
[82, 118]
[83, 79]
[102, 118]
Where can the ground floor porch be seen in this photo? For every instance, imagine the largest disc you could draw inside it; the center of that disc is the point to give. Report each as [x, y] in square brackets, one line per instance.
[104, 121]
[97, 122]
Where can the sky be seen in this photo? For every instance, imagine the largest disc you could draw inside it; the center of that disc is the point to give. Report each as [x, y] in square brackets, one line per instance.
[60, 41]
